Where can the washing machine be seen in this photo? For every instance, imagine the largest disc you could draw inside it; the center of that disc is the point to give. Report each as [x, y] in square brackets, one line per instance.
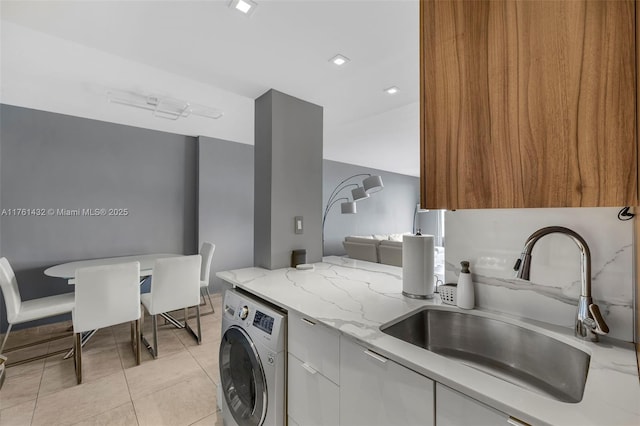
[252, 361]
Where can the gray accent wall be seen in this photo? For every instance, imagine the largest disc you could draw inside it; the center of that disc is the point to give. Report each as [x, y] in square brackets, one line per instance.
[389, 211]
[225, 204]
[262, 182]
[0, 193]
[179, 192]
[288, 179]
[55, 161]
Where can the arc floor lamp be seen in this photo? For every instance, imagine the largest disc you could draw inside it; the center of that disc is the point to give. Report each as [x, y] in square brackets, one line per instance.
[370, 184]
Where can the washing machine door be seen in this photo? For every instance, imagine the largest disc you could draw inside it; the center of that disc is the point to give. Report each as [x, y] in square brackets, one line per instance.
[242, 378]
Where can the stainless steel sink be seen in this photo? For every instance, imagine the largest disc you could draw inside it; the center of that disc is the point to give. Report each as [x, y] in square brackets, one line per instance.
[512, 353]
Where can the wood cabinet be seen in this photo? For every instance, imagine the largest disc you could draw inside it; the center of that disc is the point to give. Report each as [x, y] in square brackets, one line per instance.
[377, 391]
[528, 104]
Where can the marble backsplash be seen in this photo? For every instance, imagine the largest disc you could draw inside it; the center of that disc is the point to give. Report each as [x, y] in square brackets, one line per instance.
[492, 241]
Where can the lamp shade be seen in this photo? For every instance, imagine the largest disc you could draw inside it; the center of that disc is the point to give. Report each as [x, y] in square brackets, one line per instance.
[372, 184]
[359, 194]
[348, 208]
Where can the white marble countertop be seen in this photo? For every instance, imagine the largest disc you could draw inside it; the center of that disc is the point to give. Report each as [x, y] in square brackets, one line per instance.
[357, 297]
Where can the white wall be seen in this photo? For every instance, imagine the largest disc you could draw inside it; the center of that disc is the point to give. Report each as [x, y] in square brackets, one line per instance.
[48, 73]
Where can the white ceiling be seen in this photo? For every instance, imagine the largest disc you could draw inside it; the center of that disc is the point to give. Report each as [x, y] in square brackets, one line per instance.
[63, 56]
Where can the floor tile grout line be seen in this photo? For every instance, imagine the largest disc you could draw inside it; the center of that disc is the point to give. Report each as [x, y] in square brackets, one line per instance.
[35, 405]
[126, 379]
[183, 346]
[100, 414]
[82, 419]
[100, 378]
[208, 415]
[133, 405]
[183, 350]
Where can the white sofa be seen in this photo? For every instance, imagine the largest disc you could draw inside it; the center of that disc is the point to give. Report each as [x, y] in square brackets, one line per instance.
[378, 248]
[381, 248]
[390, 252]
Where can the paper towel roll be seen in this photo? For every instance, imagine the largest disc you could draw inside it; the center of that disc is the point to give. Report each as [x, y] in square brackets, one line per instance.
[417, 266]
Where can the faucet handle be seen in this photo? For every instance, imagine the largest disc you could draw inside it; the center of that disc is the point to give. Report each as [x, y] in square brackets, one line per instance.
[599, 326]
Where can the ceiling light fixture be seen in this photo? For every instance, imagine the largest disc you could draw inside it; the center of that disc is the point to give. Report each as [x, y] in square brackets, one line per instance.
[392, 90]
[339, 60]
[162, 107]
[245, 6]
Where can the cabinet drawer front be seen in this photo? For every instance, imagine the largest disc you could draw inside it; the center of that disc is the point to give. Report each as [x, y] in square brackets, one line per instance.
[316, 345]
[312, 398]
[375, 390]
[454, 408]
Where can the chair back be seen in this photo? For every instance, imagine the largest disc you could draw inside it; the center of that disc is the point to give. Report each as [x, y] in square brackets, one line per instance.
[206, 251]
[106, 295]
[175, 283]
[10, 290]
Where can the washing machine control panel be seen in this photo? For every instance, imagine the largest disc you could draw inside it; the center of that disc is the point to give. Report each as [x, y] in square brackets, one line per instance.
[263, 322]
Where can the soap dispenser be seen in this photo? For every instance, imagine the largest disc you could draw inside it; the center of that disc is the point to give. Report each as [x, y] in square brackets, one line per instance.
[465, 295]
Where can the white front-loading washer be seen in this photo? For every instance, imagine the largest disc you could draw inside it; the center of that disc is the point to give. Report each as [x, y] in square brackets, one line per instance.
[252, 361]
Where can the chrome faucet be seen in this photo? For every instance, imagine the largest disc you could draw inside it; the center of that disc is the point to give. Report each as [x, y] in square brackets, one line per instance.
[589, 321]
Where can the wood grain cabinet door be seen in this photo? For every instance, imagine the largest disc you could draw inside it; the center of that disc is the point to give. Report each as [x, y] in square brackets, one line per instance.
[528, 103]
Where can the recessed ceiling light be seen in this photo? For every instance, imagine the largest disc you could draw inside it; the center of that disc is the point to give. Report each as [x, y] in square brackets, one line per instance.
[339, 60]
[245, 6]
[392, 90]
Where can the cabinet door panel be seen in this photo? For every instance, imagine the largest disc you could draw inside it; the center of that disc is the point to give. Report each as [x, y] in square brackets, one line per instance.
[528, 104]
[315, 344]
[378, 391]
[456, 409]
[312, 398]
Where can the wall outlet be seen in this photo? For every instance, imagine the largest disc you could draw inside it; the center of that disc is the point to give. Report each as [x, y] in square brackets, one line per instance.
[298, 226]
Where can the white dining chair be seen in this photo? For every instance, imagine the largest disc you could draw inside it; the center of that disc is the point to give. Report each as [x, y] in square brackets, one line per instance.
[19, 311]
[175, 285]
[106, 295]
[206, 251]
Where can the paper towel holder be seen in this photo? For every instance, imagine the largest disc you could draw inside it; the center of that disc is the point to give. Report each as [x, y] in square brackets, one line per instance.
[417, 296]
[417, 266]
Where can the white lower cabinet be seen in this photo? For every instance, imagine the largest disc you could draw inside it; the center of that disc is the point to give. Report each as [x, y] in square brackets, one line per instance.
[456, 409]
[332, 380]
[313, 399]
[377, 391]
[312, 373]
[291, 422]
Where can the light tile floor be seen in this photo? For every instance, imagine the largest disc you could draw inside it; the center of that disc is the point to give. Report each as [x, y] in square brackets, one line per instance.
[178, 388]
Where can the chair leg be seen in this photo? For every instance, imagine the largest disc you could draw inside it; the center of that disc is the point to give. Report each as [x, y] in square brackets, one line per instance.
[204, 301]
[153, 350]
[198, 319]
[136, 341]
[154, 322]
[77, 356]
[198, 336]
[206, 289]
[6, 335]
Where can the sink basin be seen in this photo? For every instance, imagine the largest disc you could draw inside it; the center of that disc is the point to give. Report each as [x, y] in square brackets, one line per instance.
[512, 353]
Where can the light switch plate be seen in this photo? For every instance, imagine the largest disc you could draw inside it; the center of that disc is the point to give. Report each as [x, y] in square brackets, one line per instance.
[298, 225]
